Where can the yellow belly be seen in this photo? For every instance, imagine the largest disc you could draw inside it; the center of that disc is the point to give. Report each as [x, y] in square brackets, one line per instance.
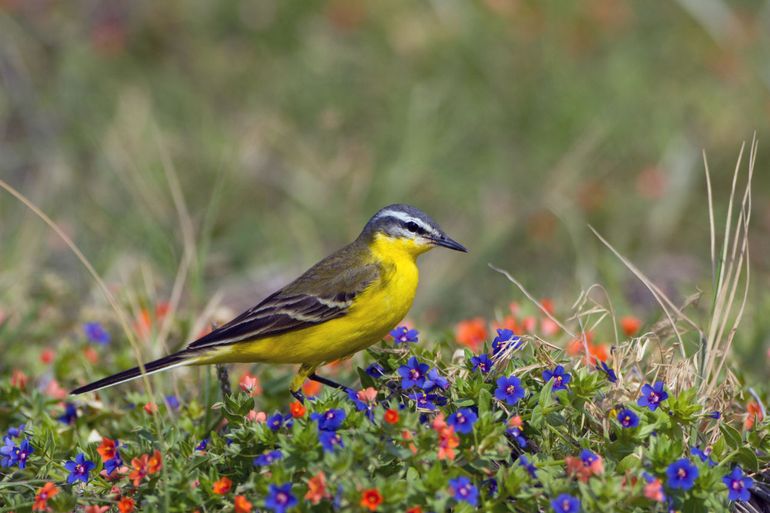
[374, 312]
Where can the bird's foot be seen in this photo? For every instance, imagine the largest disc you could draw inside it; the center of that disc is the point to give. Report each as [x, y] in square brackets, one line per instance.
[298, 395]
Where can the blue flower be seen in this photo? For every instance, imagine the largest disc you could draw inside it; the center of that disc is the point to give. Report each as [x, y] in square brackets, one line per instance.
[402, 334]
[463, 490]
[482, 363]
[95, 332]
[202, 445]
[70, 414]
[413, 373]
[435, 380]
[517, 435]
[330, 440]
[627, 418]
[714, 415]
[462, 420]
[423, 400]
[79, 468]
[25, 449]
[15, 432]
[509, 390]
[504, 339]
[331, 420]
[9, 452]
[588, 457]
[559, 377]
[275, 421]
[266, 459]
[681, 474]
[528, 465]
[566, 503]
[280, 498]
[652, 396]
[112, 464]
[738, 485]
[703, 455]
[375, 370]
[606, 369]
[172, 402]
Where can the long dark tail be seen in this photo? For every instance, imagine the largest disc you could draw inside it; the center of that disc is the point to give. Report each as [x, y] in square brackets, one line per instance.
[167, 362]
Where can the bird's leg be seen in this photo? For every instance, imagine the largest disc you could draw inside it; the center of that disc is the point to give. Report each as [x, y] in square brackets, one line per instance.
[328, 382]
[305, 371]
[224, 379]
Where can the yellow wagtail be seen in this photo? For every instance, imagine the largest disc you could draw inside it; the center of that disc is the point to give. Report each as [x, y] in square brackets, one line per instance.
[343, 304]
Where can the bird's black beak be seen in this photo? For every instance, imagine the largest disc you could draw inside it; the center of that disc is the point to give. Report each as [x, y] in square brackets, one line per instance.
[446, 242]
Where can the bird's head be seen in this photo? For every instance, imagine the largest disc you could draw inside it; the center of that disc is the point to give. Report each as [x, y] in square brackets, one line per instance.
[406, 228]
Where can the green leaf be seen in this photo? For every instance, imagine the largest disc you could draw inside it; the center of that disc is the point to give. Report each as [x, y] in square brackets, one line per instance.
[732, 436]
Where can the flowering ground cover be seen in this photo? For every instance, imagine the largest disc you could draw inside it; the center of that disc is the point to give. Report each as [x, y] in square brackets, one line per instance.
[501, 421]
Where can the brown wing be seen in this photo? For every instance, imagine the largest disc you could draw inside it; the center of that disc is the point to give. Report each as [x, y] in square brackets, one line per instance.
[324, 292]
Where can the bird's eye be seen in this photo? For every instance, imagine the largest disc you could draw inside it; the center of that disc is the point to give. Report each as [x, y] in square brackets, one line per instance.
[412, 227]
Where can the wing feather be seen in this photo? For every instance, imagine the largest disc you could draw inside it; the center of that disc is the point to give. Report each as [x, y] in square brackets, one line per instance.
[323, 293]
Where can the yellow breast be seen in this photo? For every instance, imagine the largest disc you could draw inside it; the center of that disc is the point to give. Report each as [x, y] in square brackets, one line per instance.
[373, 313]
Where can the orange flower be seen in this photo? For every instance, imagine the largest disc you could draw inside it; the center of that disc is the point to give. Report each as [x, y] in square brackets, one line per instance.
[577, 467]
[155, 462]
[151, 408]
[139, 471]
[256, 416]
[471, 333]
[391, 416]
[548, 328]
[95, 509]
[311, 388]
[222, 486]
[654, 490]
[547, 305]
[250, 384]
[54, 390]
[630, 325]
[19, 379]
[414, 509]
[47, 355]
[316, 488]
[108, 449]
[241, 504]
[126, 505]
[516, 422]
[439, 423]
[753, 415]
[367, 395]
[91, 354]
[599, 351]
[528, 324]
[508, 323]
[407, 435]
[370, 499]
[297, 409]
[44, 493]
[447, 442]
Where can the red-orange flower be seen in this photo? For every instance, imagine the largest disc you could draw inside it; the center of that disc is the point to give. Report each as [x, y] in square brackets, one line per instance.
[311, 388]
[94, 508]
[108, 449]
[250, 384]
[414, 509]
[19, 379]
[126, 505]
[447, 442]
[753, 415]
[222, 486]
[630, 325]
[91, 355]
[370, 499]
[584, 468]
[391, 416]
[241, 504]
[47, 355]
[316, 488]
[139, 471]
[471, 333]
[44, 493]
[151, 408]
[297, 409]
[154, 462]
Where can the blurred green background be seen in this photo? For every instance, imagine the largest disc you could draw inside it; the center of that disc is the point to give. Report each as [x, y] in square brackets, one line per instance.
[288, 123]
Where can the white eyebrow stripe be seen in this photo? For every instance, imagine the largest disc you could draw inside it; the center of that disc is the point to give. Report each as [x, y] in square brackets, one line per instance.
[403, 216]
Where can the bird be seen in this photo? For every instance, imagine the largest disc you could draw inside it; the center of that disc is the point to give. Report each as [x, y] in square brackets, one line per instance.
[345, 303]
